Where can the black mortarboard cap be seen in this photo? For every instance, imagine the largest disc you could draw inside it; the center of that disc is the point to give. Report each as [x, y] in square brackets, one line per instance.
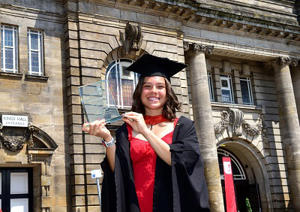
[149, 65]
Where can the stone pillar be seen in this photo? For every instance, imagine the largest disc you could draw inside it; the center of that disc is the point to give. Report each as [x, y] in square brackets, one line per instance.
[204, 122]
[289, 126]
[296, 82]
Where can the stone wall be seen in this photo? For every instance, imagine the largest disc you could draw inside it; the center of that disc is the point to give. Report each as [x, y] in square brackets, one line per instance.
[41, 98]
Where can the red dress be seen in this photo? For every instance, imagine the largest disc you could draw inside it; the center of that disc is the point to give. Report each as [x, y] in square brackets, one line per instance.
[143, 162]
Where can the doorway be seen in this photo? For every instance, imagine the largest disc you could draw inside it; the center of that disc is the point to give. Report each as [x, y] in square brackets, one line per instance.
[16, 190]
[246, 194]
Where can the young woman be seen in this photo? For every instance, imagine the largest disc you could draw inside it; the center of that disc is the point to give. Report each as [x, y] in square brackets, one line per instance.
[155, 163]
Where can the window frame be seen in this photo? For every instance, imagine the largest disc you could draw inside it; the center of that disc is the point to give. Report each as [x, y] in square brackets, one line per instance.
[229, 82]
[40, 52]
[119, 102]
[235, 162]
[5, 195]
[250, 93]
[210, 87]
[14, 47]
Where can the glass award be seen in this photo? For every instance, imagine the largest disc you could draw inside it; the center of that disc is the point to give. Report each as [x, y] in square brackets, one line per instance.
[98, 102]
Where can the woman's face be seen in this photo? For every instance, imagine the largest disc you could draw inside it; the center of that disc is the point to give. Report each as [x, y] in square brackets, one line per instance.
[154, 94]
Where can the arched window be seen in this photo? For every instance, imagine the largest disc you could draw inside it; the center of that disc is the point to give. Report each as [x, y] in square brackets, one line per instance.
[237, 168]
[121, 83]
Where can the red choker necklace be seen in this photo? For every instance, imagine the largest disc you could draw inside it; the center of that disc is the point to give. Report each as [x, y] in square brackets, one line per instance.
[153, 120]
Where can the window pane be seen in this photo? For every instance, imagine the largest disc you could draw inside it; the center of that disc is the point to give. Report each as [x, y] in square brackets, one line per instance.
[2, 59]
[224, 83]
[19, 205]
[34, 41]
[35, 52]
[226, 96]
[112, 83]
[2, 50]
[246, 91]
[8, 37]
[127, 91]
[19, 183]
[9, 60]
[211, 94]
[121, 82]
[8, 49]
[34, 62]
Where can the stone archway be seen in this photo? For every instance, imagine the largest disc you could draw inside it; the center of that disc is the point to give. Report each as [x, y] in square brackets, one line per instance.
[30, 148]
[255, 170]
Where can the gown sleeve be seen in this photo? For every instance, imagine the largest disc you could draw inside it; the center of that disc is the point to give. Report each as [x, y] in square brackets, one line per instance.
[112, 192]
[108, 194]
[188, 181]
[118, 191]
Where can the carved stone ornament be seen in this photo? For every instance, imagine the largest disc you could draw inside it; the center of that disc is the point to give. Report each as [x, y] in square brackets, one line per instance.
[236, 118]
[287, 61]
[14, 138]
[223, 124]
[131, 39]
[198, 47]
[233, 120]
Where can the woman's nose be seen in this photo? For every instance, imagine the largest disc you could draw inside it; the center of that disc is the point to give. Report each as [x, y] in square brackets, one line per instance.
[154, 89]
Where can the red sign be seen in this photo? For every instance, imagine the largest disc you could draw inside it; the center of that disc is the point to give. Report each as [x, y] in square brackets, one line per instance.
[229, 186]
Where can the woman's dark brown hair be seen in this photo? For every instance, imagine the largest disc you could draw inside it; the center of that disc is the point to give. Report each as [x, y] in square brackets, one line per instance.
[172, 104]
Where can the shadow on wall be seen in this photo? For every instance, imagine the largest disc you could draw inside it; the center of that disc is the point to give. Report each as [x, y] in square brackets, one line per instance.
[50, 20]
[297, 10]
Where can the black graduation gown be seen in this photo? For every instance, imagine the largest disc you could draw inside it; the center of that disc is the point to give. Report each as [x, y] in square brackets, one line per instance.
[180, 187]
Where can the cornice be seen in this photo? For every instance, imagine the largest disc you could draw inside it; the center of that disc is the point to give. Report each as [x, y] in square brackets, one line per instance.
[191, 12]
[234, 50]
[31, 13]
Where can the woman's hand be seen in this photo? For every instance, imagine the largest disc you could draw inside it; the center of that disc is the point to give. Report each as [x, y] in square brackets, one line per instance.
[97, 128]
[136, 121]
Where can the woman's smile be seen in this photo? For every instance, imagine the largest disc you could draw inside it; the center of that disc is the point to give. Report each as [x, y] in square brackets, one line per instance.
[153, 99]
[154, 94]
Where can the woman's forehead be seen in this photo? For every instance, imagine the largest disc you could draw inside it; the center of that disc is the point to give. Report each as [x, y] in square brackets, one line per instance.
[154, 79]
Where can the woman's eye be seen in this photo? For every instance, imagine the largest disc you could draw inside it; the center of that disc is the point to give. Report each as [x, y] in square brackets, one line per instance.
[147, 86]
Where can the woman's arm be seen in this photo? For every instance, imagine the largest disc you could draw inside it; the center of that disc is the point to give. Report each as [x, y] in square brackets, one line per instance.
[98, 128]
[161, 148]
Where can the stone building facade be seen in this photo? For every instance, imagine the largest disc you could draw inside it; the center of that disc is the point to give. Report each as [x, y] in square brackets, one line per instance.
[241, 87]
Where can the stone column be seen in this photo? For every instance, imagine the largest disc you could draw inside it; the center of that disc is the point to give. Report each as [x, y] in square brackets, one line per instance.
[204, 122]
[289, 126]
[296, 82]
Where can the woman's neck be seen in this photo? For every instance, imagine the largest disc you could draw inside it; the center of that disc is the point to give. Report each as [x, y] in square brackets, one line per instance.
[153, 112]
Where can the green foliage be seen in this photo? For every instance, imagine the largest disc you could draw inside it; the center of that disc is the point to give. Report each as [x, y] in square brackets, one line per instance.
[248, 205]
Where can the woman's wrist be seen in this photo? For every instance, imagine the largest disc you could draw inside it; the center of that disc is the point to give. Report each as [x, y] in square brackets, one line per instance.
[108, 143]
[107, 138]
[146, 132]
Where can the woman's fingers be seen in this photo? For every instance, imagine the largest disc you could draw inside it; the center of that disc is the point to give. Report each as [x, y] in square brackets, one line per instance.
[135, 120]
[94, 127]
[133, 116]
[86, 127]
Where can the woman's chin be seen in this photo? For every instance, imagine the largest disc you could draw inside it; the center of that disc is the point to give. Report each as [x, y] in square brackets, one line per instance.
[153, 107]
